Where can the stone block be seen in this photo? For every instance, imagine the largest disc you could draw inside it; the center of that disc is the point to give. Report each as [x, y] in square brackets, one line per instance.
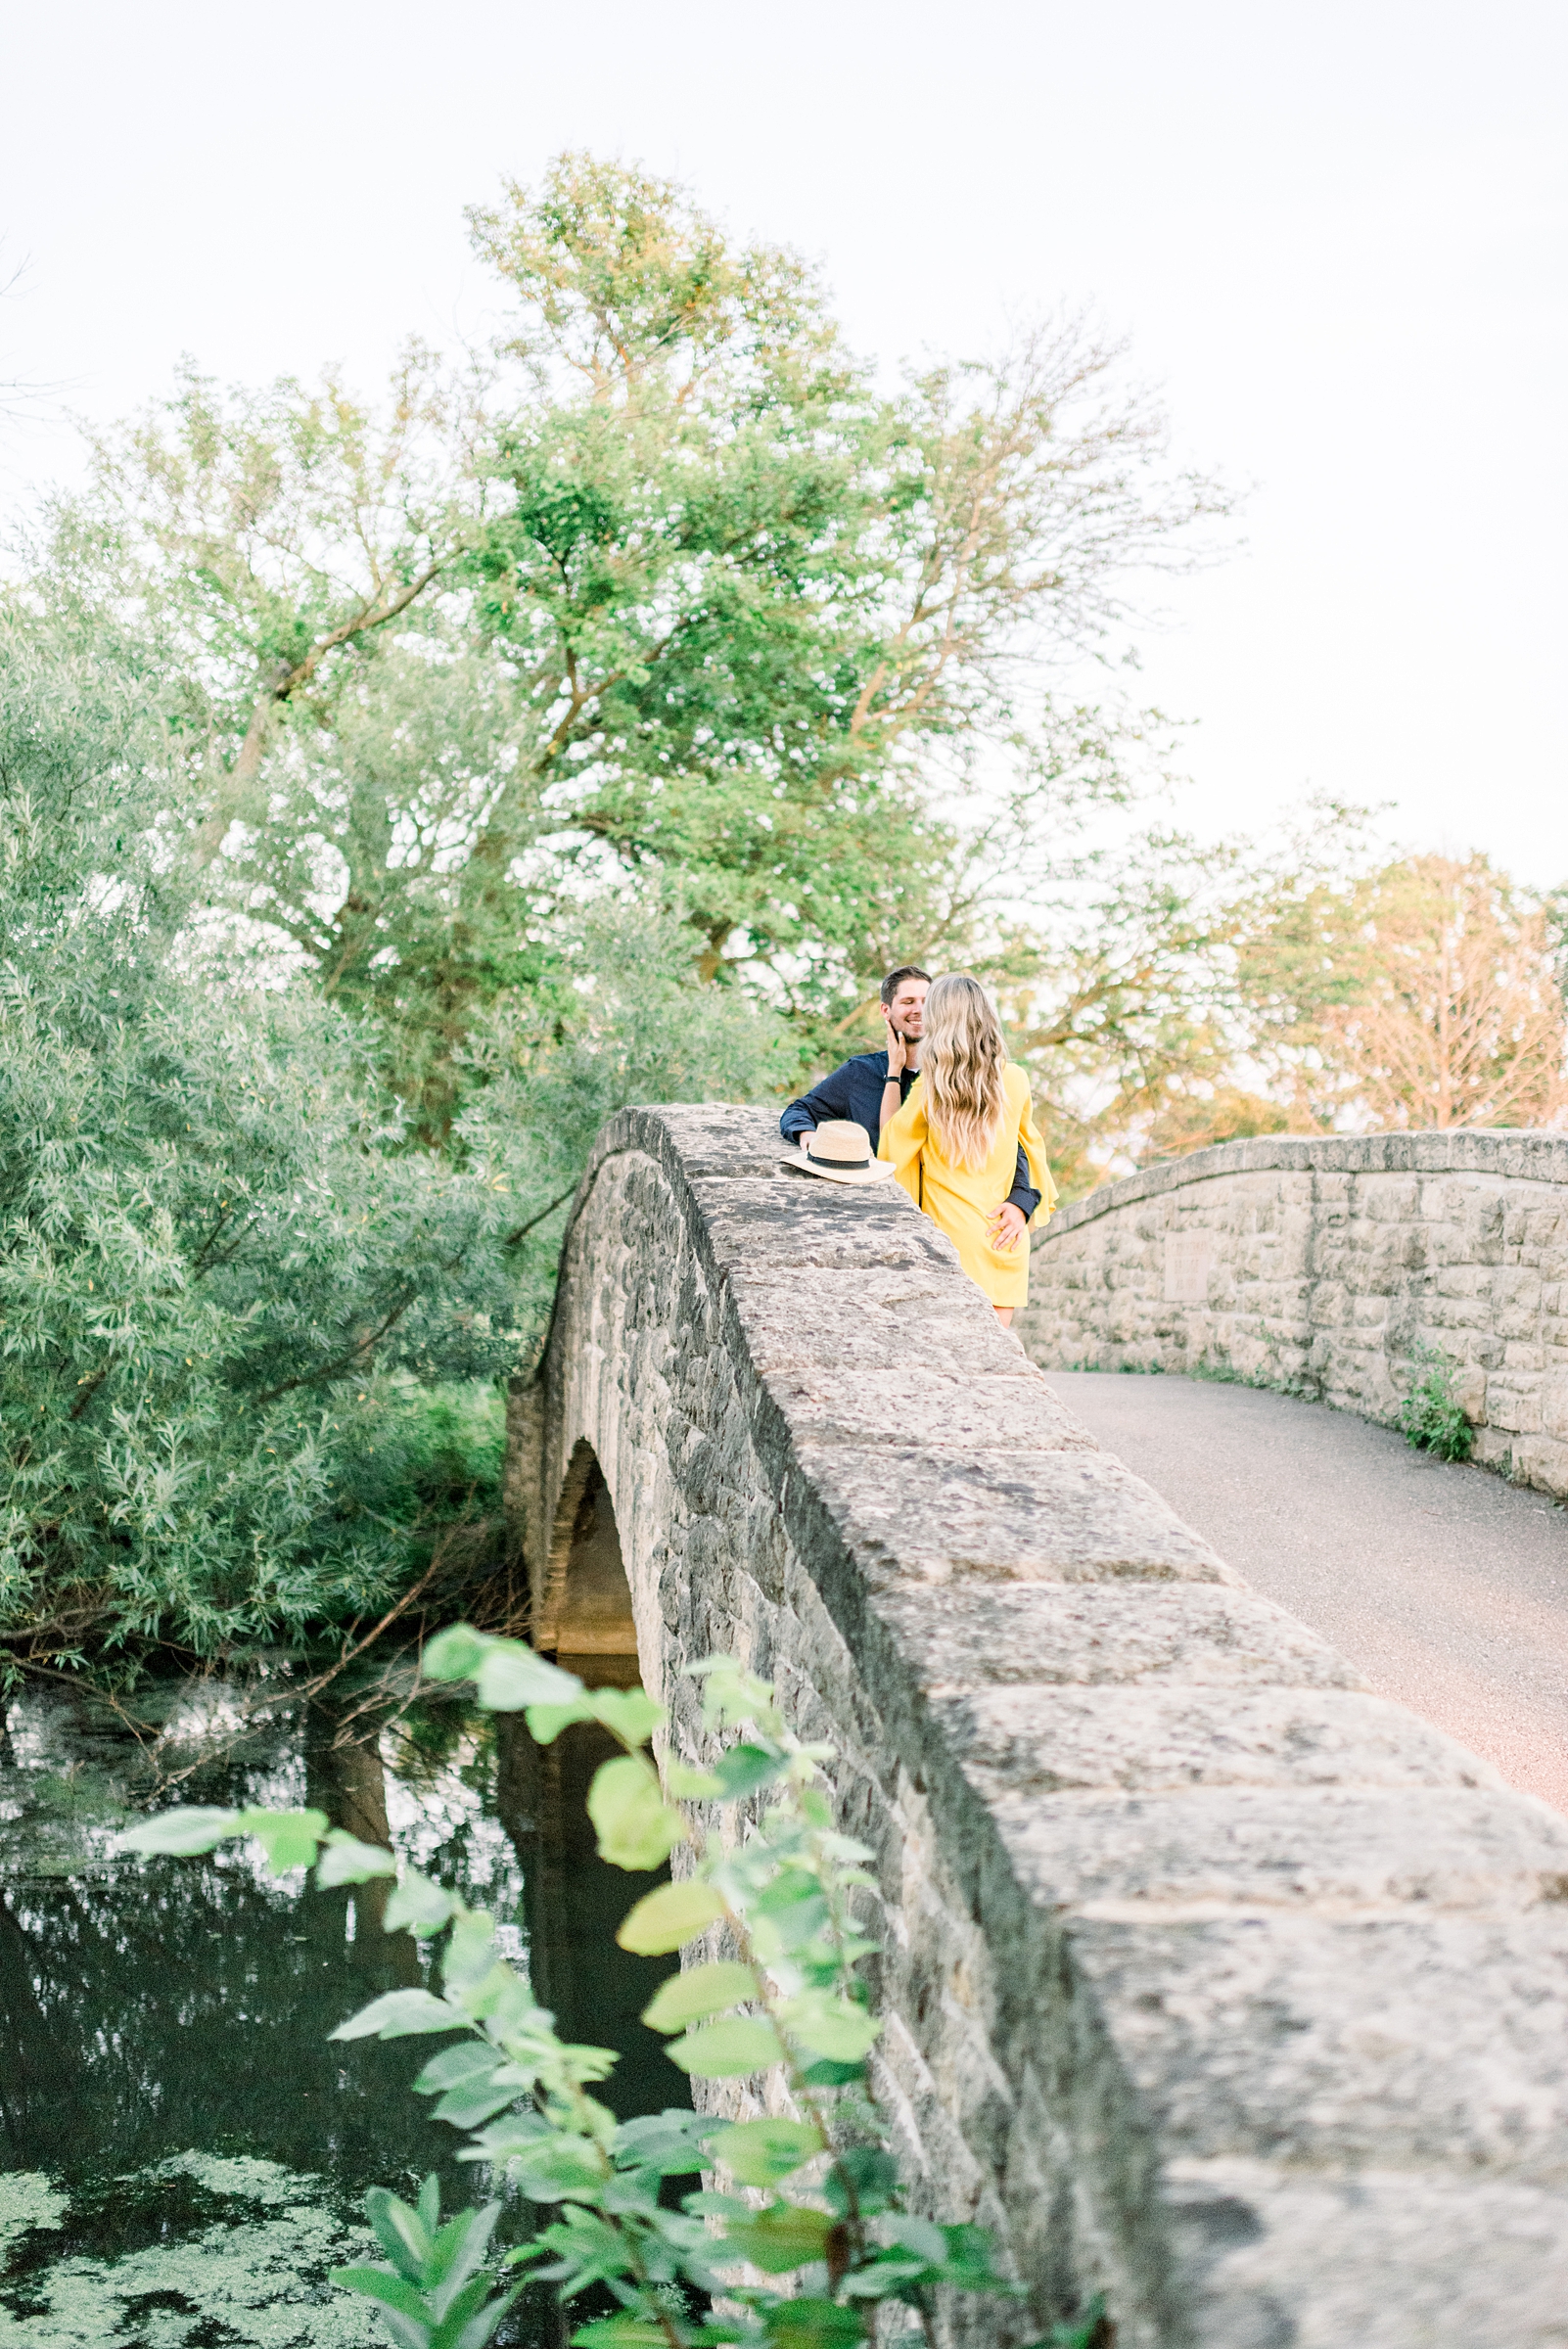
[1541, 1461]
[956, 1639]
[1554, 1405]
[1366, 2258]
[1015, 1411]
[1516, 1301]
[1511, 1407]
[1001, 1516]
[1438, 2042]
[1017, 1742]
[784, 1221]
[1344, 1847]
[917, 1318]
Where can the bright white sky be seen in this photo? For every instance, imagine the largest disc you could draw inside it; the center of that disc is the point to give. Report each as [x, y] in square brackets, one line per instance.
[1337, 236]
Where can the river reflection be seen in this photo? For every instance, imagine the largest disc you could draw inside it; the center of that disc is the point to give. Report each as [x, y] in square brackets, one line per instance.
[166, 2018]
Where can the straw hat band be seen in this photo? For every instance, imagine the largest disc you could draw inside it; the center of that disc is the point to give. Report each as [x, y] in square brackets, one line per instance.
[840, 1151]
[832, 1145]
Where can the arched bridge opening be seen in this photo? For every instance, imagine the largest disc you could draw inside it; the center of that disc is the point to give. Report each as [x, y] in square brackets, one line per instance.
[584, 1616]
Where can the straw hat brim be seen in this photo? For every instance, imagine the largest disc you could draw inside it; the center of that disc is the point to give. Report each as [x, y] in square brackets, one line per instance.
[880, 1169]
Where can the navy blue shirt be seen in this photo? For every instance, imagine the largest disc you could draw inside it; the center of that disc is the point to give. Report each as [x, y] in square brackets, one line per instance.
[855, 1092]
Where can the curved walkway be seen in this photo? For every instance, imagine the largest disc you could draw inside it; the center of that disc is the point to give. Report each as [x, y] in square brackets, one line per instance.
[1445, 1587]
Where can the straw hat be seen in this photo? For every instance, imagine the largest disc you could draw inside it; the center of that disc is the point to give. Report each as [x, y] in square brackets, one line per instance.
[840, 1151]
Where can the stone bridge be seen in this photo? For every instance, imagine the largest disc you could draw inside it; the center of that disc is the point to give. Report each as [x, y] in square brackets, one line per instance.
[1211, 1980]
[1324, 1263]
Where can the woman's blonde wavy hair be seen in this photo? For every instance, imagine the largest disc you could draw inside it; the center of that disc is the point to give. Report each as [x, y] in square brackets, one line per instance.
[962, 1057]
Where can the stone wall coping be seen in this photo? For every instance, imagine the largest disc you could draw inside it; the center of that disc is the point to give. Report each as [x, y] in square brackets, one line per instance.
[1507, 1153]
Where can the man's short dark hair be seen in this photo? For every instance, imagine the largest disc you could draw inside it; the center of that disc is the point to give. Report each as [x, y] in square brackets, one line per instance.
[894, 979]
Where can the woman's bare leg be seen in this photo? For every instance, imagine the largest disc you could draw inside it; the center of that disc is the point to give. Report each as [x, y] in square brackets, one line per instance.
[1003, 1313]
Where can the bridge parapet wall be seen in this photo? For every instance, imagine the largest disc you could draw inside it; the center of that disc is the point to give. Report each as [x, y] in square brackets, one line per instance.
[1323, 1263]
[1209, 1979]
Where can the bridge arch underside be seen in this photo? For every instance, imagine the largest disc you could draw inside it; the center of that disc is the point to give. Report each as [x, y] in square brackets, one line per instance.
[1209, 1979]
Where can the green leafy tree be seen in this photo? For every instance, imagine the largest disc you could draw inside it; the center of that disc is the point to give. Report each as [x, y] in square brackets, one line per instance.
[222, 1275]
[671, 600]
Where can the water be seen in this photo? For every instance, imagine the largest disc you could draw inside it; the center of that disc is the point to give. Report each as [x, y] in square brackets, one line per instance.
[183, 2146]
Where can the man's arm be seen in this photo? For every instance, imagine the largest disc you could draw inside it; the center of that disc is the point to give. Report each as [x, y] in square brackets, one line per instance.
[1021, 1196]
[829, 1099]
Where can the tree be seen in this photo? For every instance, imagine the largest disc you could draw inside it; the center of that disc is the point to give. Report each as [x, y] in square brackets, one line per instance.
[229, 1297]
[1424, 994]
[672, 606]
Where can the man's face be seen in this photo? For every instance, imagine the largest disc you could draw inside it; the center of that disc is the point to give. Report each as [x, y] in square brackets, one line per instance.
[907, 1010]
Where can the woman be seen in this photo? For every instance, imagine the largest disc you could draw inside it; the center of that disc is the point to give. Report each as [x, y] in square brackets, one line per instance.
[955, 1143]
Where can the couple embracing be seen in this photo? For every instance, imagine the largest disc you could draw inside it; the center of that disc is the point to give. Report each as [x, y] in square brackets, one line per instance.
[944, 1112]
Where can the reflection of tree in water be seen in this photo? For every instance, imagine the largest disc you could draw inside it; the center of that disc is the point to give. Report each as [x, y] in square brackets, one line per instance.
[149, 2007]
[187, 2003]
[575, 1902]
[166, 2009]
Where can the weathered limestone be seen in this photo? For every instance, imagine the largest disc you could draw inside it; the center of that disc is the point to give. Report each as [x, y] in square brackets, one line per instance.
[1321, 1264]
[1210, 1979]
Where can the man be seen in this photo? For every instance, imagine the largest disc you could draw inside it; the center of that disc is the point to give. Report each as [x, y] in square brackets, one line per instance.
[873, 1087]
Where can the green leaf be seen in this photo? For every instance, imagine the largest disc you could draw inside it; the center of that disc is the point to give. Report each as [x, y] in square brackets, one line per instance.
[472, 2317]
[456, 1653]
[726, 2050]
[686, 1785]
[636, 1827]
[777, 2240]
[420, 1905]
[871, 2177]
[1084, 2333]
[393, 2295]
[459, 2254]
[546, 1722]
[288, 1837]
[182, 1833]
[471, 1952]
[832, 2027]
[745, 1768]
[558, 2165]
[475, 2101]
[512, 1675]
[918, 2236]
[814, 2325]
[627, 1713]
[402, 2233]
[795, 1907]
[701, 1990]
[671, 2143]
[666, 1919]
[503, 2000]
[402, 2014]
[348, 1861]
[623, 2332]
[469, 2059]
[518, 2133]
[764, 2153]
[825, 2073]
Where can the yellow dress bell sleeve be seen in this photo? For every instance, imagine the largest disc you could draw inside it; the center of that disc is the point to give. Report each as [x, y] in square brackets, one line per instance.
[1040, 1174]
[902, 1140]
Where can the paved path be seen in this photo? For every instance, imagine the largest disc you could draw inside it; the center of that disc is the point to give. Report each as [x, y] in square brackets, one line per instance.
[1448, 1588]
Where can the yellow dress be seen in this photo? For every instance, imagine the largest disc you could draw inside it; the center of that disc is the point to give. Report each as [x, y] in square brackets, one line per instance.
[961, 1202]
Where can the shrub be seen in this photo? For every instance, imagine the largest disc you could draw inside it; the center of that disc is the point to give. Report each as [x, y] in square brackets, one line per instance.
[1430, 1416]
